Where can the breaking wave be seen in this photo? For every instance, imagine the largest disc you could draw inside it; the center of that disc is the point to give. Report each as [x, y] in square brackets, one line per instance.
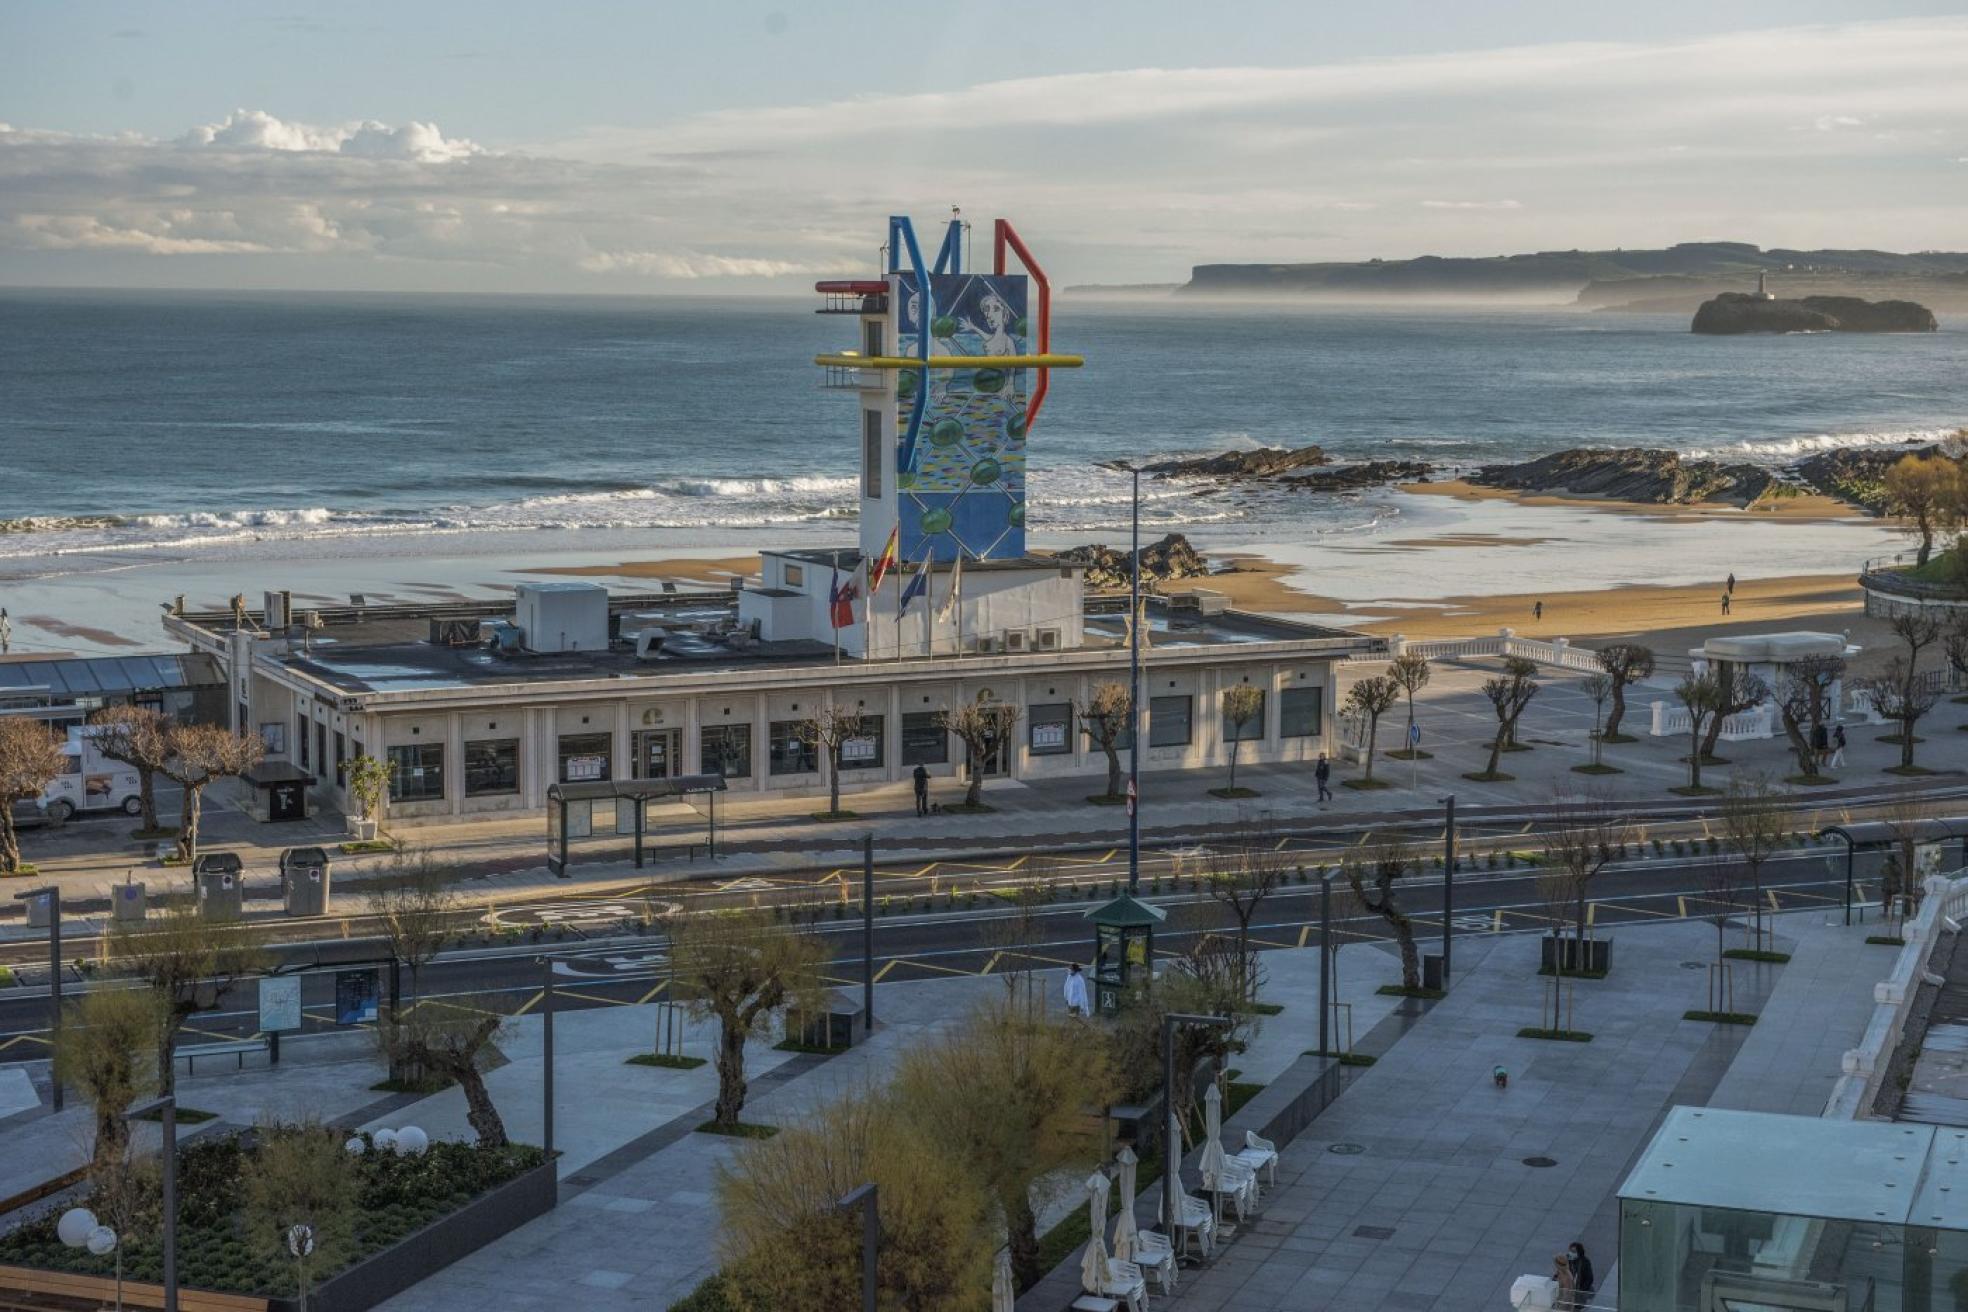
[1781, 450]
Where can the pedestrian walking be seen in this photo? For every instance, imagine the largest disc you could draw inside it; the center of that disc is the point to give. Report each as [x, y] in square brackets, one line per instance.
[1537, 609]
[1725, 603]
[1323, 773]
[1730, 586]
[1820, 747]
[1583, 1282]
[921, 777]
[1838, 747]
[1076, 993]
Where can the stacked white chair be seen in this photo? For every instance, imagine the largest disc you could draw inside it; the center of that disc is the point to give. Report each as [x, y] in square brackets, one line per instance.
[1259, 1155]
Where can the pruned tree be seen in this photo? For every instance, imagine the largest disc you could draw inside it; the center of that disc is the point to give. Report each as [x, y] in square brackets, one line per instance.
[784, 1242]
[1016, 1097]
[1804, 703]
[1625, 663]
[1104, 720]
[736, 967]
[301, 1198]
[189, 962]
[1755, 824]
[450, 1039]
[1701, 696]
[1954, 644]
[1555, 890]
[982, 727]
[1722, 897]
[1901, 694]
[200, 754]
[1508, 693]
[1410, 672]
[1582, 834]
[1012, 937]
[108, 1050]
[414, 906]
[31, 758]
[826, 730]
[1597, 687]
[1923, 492]
[140, 738]
[1240, 880]
[1242, 703]
[1905, 815]
[367, 779]
[1373, 697]
[1372, 871]
[1737, 690]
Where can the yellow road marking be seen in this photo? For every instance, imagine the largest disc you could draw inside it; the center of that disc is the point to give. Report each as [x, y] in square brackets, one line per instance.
[843, 982]
[1682, 903]
[531, 1003]
[1281, 844]
[1633, 906]
[26, 1038]
[1304, 933]
[1268, 943]
[1496, 921]
[651, 995]
[887, 966]
[1019, 862]
[925, 965]
[1592, 913]
[1798, 892]
[1773, 899]
[991, 963]
[599, 997]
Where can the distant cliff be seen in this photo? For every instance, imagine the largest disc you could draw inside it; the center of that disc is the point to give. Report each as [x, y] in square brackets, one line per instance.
[1563, 275]
[1740, 312]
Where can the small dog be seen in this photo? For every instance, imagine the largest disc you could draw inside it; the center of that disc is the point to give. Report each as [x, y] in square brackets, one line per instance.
[1501, 1076]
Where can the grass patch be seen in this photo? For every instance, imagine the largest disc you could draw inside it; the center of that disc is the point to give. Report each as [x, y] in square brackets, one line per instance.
[1547, 972]
[1886, 940]
[1910, 770]
[1364, 785]
[1344, 1058]
[368, 845]
[23, 870]
[1403, 991]
[1721, 1017]
[1809, 780]
[185, 1116]
[1234, 792]
[716, 1294]
[1403, 754]
[816, 1049]
[738, 1129]
[162, 831]
[1692, 790]
[1107, 799]
[668, 1061]
[1756, 954]
[1489, 776]
[1556, 1036]
[829, 816]
[429, 1084]
[7, 980]
[1601, 768]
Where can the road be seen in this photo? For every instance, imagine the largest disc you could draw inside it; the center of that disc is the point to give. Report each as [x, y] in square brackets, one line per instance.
[609, 968]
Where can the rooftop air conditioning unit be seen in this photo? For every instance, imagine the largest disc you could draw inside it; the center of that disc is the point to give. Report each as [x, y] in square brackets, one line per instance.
[454, 633]
[1014, 641]
[985, 644]
[1048, 639]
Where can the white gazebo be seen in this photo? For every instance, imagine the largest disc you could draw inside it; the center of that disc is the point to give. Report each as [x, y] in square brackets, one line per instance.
[1769, 657]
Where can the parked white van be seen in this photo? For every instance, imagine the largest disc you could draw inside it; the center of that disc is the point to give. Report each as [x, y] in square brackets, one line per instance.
[90, 781]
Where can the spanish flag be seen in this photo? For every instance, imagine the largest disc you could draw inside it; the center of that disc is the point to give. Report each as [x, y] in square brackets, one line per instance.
[884, 562]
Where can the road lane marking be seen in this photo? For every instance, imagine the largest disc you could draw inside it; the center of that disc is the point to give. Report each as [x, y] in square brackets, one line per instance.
[888, 966]
[1304, 933]
[989, 965]
[651, 995]
[531, 1003]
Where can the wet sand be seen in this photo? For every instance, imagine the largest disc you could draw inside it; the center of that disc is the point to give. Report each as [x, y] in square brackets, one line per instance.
[1804, 508]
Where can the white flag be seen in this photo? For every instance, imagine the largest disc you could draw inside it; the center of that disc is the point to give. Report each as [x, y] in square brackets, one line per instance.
[949, 606]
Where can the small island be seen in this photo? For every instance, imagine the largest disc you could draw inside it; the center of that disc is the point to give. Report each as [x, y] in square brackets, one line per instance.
[1759, 312]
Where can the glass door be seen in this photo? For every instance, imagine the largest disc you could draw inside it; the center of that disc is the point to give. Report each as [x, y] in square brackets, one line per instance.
[658, 753]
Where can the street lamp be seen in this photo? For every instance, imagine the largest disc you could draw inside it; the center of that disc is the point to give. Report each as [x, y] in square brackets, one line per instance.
[863, 1198]
[78, 1228]
[1172, 1143]
[166, 1107]
[1448, 879]
[50, 897]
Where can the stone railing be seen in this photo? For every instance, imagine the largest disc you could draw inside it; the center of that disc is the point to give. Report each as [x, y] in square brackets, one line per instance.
[1558, 652]
[1756, 722]
[1941, 912]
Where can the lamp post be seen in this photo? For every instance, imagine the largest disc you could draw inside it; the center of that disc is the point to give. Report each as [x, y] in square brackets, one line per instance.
[868, 934]
[1325, 959]
[547, 1055]
[167, 1108]
[52, 896]
[863, 1198]
[1448, 880]
[1134, 683]
[1172, 1146]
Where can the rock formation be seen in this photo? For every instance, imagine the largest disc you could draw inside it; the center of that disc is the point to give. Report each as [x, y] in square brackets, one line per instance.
[1107, 567]
[1742, 312]
[1264, 462]
[1633, 474]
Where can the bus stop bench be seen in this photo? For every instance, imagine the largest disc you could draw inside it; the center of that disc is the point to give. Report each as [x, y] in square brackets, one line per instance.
[238, 1051]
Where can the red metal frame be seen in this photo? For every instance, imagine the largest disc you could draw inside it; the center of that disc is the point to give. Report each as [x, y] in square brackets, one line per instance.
[851, 288]
[1005, 235]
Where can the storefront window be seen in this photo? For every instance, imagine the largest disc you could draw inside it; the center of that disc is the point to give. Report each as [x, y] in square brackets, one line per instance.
[1052, 729]
[924, 739]
[417, 772]
[1250, 730]
[586, 758]
[789, 754]
[492, 767]
[727, 750]
[1168, 721]
[864, 750]
[1299, 712]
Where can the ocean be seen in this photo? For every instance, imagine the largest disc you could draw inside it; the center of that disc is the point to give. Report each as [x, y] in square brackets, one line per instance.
[180, 424]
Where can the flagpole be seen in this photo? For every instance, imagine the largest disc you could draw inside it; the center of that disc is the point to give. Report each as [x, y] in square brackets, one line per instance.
[1134, 691]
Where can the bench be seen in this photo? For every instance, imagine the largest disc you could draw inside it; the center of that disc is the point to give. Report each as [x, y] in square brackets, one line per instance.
[1095, 1303]
[190, 1056]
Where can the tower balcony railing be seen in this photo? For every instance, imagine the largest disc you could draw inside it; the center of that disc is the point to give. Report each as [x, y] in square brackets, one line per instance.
[838, 303]
[839, 378]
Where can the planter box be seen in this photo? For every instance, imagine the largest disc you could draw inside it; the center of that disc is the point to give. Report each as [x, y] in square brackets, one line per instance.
[1598, 954]
[360, 1287]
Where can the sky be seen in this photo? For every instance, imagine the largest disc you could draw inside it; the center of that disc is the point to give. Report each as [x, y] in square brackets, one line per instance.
[664, 147]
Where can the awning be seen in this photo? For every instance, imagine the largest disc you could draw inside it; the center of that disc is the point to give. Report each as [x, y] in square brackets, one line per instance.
[268, 773]
[637, 790]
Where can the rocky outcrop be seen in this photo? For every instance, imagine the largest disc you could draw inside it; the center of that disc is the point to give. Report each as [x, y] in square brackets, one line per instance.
[1633, 474]
[1107, 567]
[1265, 462]
[1741, 312]
[1367, 473]
[1857, 474]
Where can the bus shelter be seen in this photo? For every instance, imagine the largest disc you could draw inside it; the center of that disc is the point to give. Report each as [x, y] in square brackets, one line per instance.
[586, 810]
[1927, 839]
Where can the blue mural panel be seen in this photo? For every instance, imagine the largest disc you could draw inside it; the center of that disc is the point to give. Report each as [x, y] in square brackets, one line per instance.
[961, 481]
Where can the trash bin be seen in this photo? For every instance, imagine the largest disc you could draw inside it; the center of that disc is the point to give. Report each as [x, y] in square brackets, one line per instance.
[1431, 970]
[127, 904]
[221, 883]
[304, 888]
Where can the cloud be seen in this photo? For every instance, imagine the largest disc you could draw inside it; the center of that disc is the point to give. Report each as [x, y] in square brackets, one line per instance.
[255, 129]
[1833, 122]
[1471, 205]
[693, 265]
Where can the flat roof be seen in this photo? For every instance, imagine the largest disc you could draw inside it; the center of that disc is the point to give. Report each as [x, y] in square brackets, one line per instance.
[1803, 1166]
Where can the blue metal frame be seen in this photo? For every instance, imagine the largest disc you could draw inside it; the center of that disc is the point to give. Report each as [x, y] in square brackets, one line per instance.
[902, 233]
[950, 258]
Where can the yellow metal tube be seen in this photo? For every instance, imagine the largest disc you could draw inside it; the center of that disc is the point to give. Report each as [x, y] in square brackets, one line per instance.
[852, 361]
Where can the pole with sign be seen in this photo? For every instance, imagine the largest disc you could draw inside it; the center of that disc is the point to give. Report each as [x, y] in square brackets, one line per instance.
[1414, 754]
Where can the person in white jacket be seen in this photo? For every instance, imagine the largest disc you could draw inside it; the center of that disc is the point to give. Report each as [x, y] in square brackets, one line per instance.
[1076, 993]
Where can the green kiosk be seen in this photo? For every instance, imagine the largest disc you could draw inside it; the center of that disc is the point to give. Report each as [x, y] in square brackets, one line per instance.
[1123, 938]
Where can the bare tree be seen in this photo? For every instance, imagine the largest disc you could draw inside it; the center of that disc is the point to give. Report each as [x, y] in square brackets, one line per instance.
[1373, 697]
[30, 760]
[1905, 816]
[1901, 694]
[188, 961]
[1722, 888]
[199, 754]
[827, 729]
[1597, 687]
[982, 727]
[1582, 834]
[1104, 720]
[300, 1184]
[413, 906]
[738, 968]
[1555, 891]
[1011, 937]
[1624, 663]
[1242, 703]
[1372, 871]
[1701, 696]
[140, 738]
[1243, 877]
[1755, 824]
[1508, 694]
[1804, 704]
[1737, 690]
[1411, 672]
[451, 1038]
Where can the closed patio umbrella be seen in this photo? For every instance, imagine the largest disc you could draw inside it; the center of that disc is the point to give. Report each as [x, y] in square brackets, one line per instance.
[1211, 1162]
[1124, 1223]
[1094, 1276]
[1003, 1296]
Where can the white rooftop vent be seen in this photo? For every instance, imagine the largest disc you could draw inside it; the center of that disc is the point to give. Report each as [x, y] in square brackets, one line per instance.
[558, 617]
